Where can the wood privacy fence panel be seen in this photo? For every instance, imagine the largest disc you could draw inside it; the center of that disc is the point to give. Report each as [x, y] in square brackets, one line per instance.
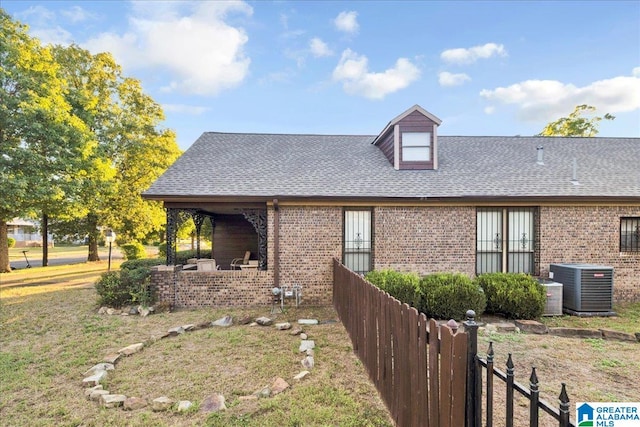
[418, 368]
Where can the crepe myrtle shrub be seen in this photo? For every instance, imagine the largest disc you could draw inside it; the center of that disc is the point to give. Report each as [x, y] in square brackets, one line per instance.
[11, 242]
[111, 291]
[401, 286]
[514, 295]
[133, 250]
[449, 296]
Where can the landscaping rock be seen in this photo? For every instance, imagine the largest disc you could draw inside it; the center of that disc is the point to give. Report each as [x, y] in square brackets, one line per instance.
[202, 325]
[161, 404]
[132, 349]
[264, 321]
[135, 310]
[245, 320]
[184, 405]
[189, 327]
[96, 395]
[295, 331]
[213, 403]
[532, 326]
[176, 331]
[303, 336]
[575, 332]
[310, 352]
[308, 362]
[144, 311]
[306, 344]
[279, 385]
[88, 391]
[301, 375]
[608, 334]
[283, 326]
[224, 322]
[502, 326]
[102, 310]
[134, 403]
[638, 336]
[111, 358]
[113, 311]
[99, 367]
[112, 400]
[265, 392]
[307, 321]
[94, 379]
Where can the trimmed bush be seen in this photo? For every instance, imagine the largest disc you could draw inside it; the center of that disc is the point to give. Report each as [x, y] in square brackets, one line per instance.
[517, 296]
[134, 250]
[449, 296]
[137, 281]
[111, 290]
[399, 285]
[11, 242]
[138, 263]
[183, 256]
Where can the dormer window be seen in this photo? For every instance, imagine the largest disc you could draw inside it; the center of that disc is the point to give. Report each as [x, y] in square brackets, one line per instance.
[416, 146]
[410, 141]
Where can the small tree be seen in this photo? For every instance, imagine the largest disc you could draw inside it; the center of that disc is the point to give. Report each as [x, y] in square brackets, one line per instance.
[575, 125]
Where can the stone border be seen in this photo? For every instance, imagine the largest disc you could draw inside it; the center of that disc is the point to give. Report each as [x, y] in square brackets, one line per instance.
[95, 375]
[535, 327]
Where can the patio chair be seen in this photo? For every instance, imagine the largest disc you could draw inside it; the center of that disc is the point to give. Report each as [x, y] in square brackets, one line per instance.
[237, 262]
[207, 265]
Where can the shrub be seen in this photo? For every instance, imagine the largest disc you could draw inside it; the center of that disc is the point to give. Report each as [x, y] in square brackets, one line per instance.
[111, 291]
[137, 263]
[11, 242]
[137, 281]
[399, 285]
[449, 296]
[183, 256]
[133, 250]
[162, 249]
[513, 295]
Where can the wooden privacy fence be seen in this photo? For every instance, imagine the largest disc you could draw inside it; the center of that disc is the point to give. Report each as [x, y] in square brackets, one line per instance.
[429, 375]
[419, 369]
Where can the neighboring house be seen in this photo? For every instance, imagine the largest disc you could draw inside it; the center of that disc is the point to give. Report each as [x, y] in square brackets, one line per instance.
[26, 232]
[407, 199]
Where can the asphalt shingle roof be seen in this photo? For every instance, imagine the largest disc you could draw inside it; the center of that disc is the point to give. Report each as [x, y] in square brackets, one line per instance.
[272, 165]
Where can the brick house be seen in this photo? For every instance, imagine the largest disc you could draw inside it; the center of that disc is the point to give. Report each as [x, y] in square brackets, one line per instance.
[407, 199]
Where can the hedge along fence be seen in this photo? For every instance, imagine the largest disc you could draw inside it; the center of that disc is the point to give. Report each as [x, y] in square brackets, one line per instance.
[450, 295]
[438, 296]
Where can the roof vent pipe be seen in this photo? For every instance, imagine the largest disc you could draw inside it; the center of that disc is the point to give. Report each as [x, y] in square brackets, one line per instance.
[574, 179]
[540, 150]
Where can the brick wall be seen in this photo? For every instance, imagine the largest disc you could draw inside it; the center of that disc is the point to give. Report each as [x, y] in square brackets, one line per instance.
[310, 237]
[590, 235]
[223, 288]
[425, 239]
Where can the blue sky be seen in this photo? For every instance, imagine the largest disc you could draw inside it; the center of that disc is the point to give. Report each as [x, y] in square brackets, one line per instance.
[484, 68]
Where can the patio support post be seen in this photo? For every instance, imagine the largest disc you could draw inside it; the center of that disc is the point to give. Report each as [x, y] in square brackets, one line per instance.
[198, 220]
[172, 228]
[258, 218]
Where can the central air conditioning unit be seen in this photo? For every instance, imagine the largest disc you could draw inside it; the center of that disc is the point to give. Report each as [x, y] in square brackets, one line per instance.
[587, 289]
[553, 306]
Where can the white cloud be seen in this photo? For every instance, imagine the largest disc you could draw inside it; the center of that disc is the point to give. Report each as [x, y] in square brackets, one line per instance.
[636, 72]
[548, 99]
[446, 78]
[202, 53]
[319, 48]
[472, 54]
[186, 109]
[347, 22]
[76, 14]
[352, 71]
[489, 110]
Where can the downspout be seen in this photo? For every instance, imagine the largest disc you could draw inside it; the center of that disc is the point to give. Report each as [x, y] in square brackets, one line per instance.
[276, 244]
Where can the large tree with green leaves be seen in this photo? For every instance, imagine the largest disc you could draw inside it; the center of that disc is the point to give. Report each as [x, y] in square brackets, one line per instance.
[43, 145]
[575, 124]
[132, 149]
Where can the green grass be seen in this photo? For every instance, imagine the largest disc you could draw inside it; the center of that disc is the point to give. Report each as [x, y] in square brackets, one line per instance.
[627, 320]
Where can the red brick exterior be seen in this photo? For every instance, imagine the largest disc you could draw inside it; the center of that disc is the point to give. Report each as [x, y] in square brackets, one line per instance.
[420, 239]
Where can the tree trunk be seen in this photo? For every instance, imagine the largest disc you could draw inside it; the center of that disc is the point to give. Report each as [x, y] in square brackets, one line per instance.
[5, 267]
[45, 240]
[93, 238]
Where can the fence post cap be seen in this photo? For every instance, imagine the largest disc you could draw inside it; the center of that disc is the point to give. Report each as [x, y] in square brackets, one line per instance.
[471, 316]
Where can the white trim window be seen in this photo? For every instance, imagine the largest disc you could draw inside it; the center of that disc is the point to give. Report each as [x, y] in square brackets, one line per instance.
[416, 146]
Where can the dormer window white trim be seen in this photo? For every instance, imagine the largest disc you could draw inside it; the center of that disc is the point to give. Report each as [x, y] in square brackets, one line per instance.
[416, 146]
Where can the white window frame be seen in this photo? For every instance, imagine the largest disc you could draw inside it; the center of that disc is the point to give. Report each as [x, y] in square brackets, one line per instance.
[416, 146]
